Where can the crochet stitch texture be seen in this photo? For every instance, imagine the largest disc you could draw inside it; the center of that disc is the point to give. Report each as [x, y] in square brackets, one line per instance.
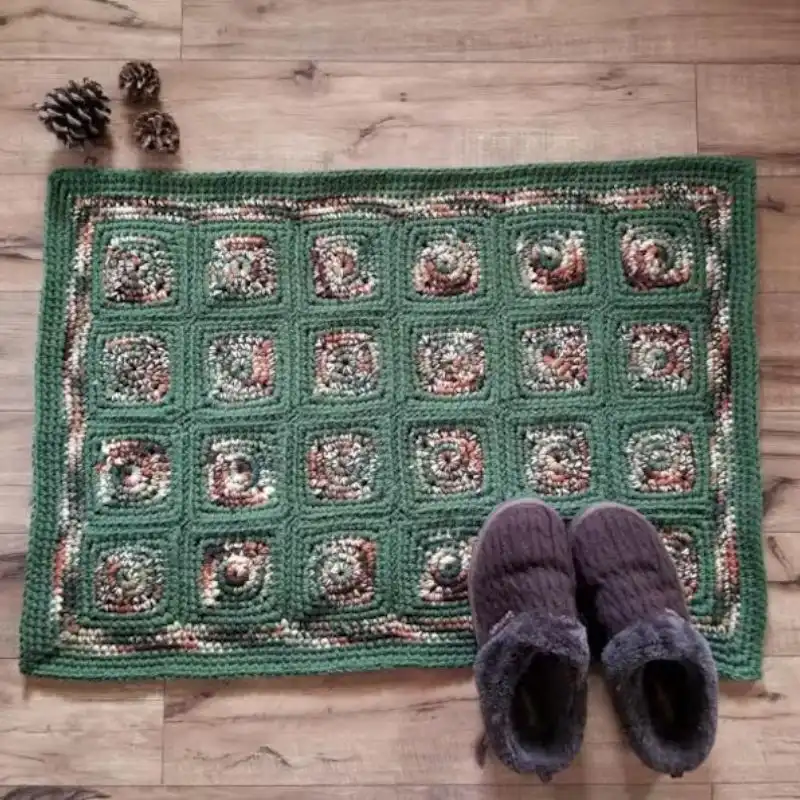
[273, 410]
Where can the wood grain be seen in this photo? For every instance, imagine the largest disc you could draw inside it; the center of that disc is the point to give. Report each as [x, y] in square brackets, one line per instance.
[90, 29]
[283, 732]
[21, 234]
[778, 222]
[78, 733]
[406, 114]
[778, 320]
[14, 509]
[751, 110]
[758, 739]
[672, 791]
[420, 726]
[482, 30]
[18, 319]
[758, 791]
[783, 625]
[12, 572]
[780, 453]
[16, 429]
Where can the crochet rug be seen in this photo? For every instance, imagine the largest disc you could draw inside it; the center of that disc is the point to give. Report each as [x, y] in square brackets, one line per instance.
[273, 410]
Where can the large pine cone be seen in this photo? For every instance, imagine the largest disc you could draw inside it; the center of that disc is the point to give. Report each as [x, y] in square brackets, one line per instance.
[139, 82]
[76, 113]
[156, 132]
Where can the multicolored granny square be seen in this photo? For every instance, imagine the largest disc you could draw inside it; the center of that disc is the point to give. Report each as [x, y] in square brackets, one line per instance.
[273, 411]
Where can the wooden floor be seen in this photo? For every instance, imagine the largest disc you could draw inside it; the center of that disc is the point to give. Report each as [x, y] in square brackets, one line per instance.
[310, 84]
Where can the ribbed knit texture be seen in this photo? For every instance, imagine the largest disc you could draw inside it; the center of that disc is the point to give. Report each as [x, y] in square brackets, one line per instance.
[658, 667]
[533, 658]
[621, 561]
[522, 563]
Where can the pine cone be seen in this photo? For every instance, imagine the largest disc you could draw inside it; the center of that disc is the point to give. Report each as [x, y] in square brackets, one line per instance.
[139, 82]
[157, 131]
[76, 113]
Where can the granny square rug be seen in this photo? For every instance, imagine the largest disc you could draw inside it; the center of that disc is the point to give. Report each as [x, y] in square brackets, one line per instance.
[273, 410]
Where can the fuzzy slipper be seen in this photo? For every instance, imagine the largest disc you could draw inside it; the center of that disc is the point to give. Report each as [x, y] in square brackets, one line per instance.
[533, 655]
[658, 667]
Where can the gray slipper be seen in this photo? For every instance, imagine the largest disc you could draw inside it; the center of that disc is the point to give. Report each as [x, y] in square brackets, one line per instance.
[533, 654]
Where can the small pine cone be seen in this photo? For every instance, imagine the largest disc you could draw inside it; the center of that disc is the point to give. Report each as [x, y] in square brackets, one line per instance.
[139, 82]
[157, 131]
[76, 113]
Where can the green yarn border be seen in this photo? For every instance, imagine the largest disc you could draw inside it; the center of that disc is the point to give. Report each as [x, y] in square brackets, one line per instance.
[40, 655]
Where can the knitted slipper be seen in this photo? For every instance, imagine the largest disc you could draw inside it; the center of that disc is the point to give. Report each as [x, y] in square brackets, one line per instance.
[659, 668]
[533, 656]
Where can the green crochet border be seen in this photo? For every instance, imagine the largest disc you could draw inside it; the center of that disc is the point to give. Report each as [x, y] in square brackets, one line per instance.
[740, 658]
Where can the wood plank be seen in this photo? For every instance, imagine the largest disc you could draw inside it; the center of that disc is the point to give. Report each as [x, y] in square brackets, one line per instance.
[21, 233]
[12, 571]
[406, 726]
[461, 30]
[14, 513]
[758, 739]
[751, 110]
[90, 29]
[19, 313]
[538, 792]
[356, 115]
[16, 429]
[778, 328]
[779, 234]
[14, 510]
[782, 558]
[421, 726]
[781, 495]
[781, 530]
[756, 791]
[78, 733]
[780, 454]
[783, 625]
[248, 793]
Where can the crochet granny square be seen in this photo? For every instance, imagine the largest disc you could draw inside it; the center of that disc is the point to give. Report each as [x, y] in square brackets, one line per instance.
[273, 410]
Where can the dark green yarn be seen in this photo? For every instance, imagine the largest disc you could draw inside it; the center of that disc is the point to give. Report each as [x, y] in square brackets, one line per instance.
[399, 511]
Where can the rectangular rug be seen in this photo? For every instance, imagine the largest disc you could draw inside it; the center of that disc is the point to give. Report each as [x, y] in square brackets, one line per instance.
[272, 410]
